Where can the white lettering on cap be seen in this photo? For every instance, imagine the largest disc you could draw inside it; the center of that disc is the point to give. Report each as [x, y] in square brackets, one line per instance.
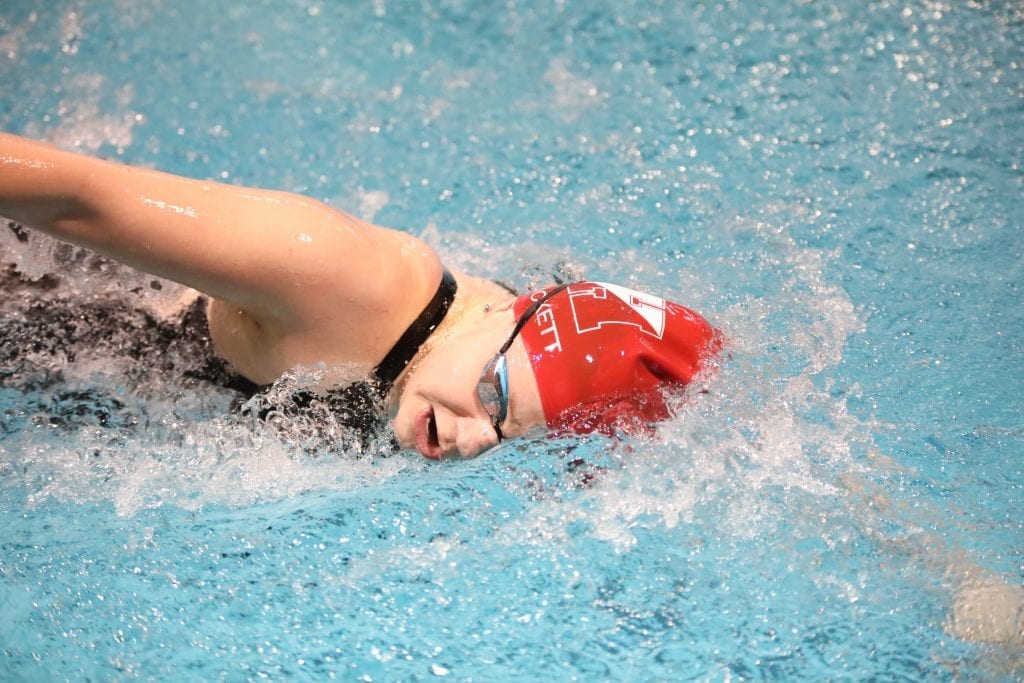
[546, 316]
[649, 310]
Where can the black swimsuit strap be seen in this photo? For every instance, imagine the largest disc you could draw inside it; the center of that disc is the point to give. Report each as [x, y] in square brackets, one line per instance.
[405, 349]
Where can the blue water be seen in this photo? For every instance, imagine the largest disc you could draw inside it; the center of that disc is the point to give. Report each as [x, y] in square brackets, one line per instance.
[836, 185]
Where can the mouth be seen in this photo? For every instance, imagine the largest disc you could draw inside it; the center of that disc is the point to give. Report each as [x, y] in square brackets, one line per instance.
[425, 428]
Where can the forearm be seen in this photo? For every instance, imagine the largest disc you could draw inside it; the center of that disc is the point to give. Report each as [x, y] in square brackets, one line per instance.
[87, 201]
[40, 185]
[152, 221]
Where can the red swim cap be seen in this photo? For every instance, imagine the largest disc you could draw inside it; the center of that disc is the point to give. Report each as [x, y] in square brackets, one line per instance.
[601, 353]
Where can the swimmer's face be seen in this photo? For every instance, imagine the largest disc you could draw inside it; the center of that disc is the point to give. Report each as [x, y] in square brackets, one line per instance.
[439, 411]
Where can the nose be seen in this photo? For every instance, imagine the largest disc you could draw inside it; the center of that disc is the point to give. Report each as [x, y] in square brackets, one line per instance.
[473, 436]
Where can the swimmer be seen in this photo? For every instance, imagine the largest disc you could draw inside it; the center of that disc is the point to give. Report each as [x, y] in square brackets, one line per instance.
[460, 363]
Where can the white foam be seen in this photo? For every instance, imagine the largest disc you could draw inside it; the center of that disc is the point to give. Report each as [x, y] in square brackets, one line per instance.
[89, 276]
[571, 95]
[371, 202]
[187, 464]
[522, 263]
[987, 609]
[83, 125]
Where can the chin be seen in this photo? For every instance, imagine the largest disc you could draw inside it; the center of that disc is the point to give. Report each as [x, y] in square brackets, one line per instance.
[403, 430]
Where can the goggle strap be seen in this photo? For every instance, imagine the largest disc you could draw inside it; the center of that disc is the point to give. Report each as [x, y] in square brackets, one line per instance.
[525, 317]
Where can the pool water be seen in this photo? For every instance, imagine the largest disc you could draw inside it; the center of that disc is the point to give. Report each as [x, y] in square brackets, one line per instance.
[836, 185]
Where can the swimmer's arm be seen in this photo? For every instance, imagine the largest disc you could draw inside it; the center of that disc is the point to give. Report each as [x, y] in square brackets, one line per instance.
[273, 254]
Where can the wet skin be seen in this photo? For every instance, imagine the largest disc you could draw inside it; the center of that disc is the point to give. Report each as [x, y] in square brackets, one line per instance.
[438, 412]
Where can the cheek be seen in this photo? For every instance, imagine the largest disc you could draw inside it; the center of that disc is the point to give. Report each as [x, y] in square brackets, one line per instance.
[445, 378]
[448, 375]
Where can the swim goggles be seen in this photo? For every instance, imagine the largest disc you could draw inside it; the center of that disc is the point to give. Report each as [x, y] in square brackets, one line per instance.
[492, 387]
